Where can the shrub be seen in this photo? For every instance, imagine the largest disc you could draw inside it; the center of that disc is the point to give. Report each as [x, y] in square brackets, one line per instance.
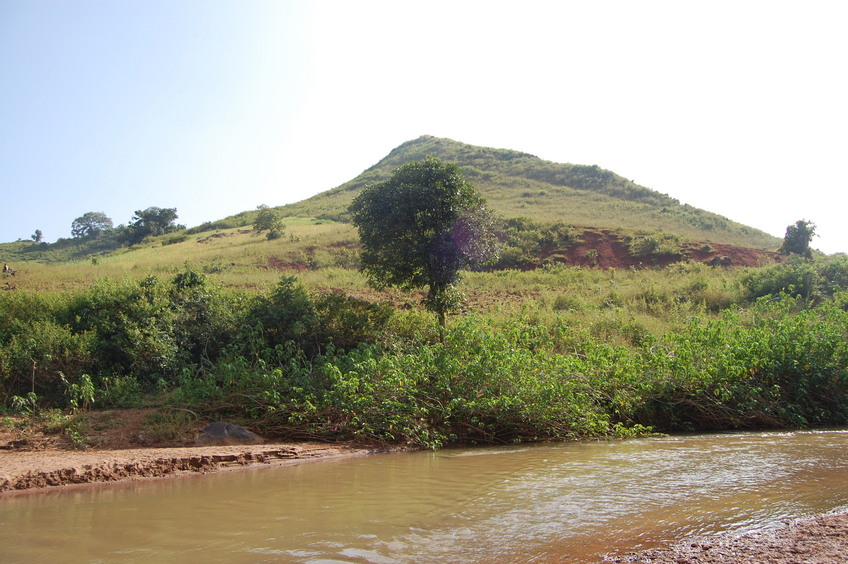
[795, 277]
[656, 245]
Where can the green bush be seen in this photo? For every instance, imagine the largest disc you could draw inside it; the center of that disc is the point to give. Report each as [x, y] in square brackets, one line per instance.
[38, 353]
[795, 277]
[655, 245]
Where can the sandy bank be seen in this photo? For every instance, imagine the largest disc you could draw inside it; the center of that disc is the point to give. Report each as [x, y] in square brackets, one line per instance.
[32, 470]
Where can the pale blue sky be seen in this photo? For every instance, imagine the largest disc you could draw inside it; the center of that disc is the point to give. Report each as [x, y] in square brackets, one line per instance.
[217, 106]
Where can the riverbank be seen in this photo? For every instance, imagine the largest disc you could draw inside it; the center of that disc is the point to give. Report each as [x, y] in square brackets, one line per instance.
[819, 540]
[33, 459]
[38, 470]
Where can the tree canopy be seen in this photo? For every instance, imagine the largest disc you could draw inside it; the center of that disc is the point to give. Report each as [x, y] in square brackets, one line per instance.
[91, 224]
[268, 220]
[798, 238]
[420, 228]
[150, 222]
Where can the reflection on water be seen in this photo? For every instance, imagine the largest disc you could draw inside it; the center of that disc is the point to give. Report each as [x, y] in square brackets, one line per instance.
[565, 502]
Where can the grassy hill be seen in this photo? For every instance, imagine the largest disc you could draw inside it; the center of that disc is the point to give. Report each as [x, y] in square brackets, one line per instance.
[518, 184]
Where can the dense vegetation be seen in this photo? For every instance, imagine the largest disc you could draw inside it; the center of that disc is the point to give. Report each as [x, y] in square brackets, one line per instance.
[198, 321]
[583, 353]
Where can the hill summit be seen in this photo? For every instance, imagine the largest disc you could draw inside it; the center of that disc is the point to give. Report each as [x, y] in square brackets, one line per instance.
[517, 184]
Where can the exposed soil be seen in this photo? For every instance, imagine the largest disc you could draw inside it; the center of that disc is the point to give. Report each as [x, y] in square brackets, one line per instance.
[820, 540]
[606, 248]
[31, 460]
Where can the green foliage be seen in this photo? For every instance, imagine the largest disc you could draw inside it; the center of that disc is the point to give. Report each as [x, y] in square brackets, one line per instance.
[79, 395]
[151, 222]
[268, 219]
[27, 405]
[524, 241]
[112, 342]
[174, 239]
[420, 228]
[798, 238]
[275, 234]
[91, 224]
[799, 277]
[655, 245]
[35, 353]
[345, 321]
[286, 314]
[794, 277]
[119, 392]
[775, 369]
[552, 353]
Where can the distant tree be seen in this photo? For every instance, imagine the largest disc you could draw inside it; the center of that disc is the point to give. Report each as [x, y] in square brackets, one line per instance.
[37, 236]
[420, 227]
[91, 224]
[268, 220]
[798, 238]
[151, 222]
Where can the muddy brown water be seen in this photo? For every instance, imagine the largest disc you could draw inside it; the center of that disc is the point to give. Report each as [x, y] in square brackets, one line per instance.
[568, 502]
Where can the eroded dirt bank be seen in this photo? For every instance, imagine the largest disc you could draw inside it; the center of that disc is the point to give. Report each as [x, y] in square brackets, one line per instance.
[32, 470]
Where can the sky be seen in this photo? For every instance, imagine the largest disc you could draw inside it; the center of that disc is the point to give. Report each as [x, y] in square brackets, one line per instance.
[215, 107]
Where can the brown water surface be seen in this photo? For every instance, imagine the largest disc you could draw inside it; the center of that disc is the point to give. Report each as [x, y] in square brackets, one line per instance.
[565, 502]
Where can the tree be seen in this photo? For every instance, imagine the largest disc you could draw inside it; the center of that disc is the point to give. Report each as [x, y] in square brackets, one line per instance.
[91, 224]
[268, 220]
[37, 236]
[151, 222]
[798, 238]
[420, 228]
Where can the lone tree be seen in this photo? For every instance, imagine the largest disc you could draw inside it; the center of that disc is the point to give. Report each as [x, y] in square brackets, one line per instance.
[420, 228]
[91, 224]
[798, 238]
[268, 220]
[151, 222]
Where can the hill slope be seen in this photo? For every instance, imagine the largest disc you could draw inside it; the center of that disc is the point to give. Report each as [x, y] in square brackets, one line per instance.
[518, 184]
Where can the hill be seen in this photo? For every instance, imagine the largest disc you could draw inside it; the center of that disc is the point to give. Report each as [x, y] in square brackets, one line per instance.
[518, 184]
[576, 214]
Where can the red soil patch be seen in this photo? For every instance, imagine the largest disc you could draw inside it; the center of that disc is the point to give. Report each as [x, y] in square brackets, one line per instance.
[275, 263]
[607, 249]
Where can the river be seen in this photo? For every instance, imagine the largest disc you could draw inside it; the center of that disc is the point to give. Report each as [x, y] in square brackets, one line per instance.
[568, 502]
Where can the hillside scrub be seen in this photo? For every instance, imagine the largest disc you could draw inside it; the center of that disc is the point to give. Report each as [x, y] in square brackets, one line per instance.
[626, 355]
